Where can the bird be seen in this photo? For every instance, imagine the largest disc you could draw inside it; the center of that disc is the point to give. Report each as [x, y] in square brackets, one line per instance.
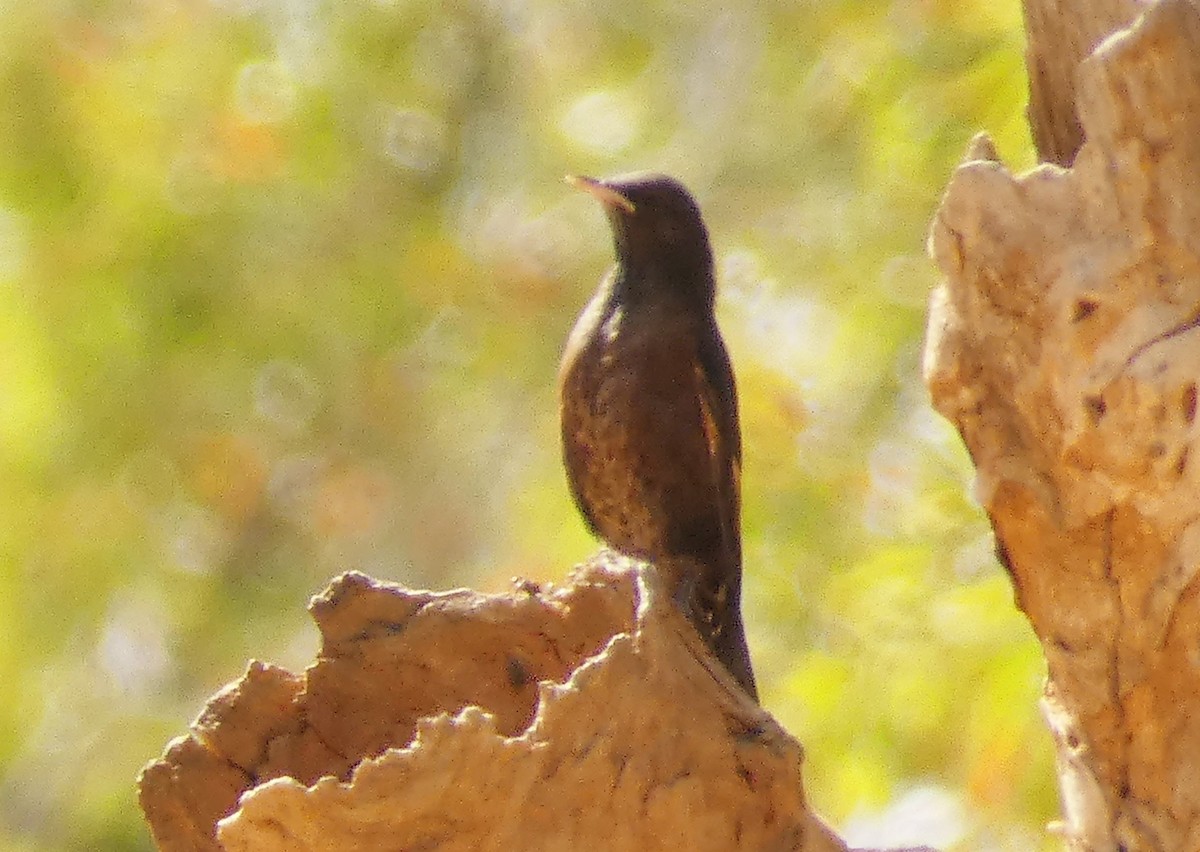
[649, 413]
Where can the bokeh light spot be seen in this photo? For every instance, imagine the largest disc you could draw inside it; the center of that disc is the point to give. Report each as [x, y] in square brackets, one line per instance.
[285, 395]
[926, 815]
[602, 122]
[196, 538]
[265, 92]
[292, 485]
[14, 248]
[414, 140]
[133, 648]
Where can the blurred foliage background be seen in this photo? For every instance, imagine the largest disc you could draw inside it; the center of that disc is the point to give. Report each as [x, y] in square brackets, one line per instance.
[283, 286]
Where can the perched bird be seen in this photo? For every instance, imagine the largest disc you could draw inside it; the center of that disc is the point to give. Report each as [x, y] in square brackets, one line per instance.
[650, 432]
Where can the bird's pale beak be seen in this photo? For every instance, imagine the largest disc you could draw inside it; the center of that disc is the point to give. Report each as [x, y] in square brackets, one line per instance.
[601, 191]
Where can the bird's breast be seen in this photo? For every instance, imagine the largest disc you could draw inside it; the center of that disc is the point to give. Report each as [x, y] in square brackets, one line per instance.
[634, 444]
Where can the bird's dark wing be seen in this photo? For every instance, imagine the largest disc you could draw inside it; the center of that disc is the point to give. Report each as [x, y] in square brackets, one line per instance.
[718, 404]
[719, 594]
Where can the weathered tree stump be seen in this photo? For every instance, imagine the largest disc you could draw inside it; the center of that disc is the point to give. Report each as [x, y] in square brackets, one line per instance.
[589, 716]
[1064, 344]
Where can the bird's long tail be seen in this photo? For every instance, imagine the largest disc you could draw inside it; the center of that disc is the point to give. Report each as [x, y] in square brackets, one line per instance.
[728, 643]
[709, 593]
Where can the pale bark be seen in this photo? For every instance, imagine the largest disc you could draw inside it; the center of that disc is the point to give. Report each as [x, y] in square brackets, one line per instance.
[589, 716]
[1064, 343]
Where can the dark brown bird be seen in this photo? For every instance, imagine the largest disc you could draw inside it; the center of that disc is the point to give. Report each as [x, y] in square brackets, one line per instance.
[649, 412]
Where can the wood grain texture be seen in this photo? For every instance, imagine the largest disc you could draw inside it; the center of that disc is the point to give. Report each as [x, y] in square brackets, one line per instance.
[1064, 343]
[581, 716]
[1059, 36]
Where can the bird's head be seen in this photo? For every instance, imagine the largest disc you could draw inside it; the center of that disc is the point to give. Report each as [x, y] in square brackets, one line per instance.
[658, 233]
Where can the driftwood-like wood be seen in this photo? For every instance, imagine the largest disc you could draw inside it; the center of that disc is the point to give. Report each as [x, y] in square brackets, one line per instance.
[1060, 35]
[587, 716]
[1064, 343]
